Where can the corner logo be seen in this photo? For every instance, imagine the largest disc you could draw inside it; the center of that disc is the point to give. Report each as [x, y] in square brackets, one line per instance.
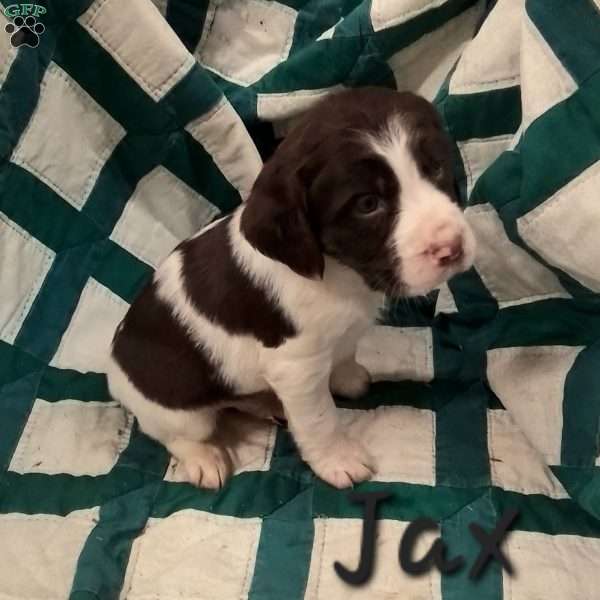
[25, 29]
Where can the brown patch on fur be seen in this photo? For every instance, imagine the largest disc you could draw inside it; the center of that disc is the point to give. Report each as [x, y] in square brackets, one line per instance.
[157, 352]
[160, 358]
[223, 293]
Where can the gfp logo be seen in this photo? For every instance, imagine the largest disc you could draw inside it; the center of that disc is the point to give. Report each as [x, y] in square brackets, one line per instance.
[25, 29]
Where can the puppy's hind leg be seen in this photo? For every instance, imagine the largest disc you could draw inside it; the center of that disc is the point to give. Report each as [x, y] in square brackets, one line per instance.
[206, 464]
[187, 434]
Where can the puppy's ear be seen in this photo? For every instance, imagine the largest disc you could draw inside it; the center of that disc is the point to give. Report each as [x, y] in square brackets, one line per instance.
[275, 220]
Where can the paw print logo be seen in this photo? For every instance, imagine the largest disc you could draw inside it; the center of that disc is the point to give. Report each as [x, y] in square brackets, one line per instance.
[25, 32]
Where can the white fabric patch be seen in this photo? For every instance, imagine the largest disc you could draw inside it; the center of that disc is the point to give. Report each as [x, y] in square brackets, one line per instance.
[339, 540]
[79, 438]
[445, 301]
[285, 109]
[7, 51]
[224, 136]
[284, 105]
[423, 66]
[401, 439]
[193, 554]
[544, 80]
[492, 60]
[397, 353]
[258, 36]
[85, 346]
[24, 264]
[514, 463]
[250, 444]
[389, 13]
[69, 138]
[162, 212]
[510, 274]
[328, 33]
[479, 154]
[38, 553]
[564, 229]
[129, 31]
[553, 567]
[530, 383]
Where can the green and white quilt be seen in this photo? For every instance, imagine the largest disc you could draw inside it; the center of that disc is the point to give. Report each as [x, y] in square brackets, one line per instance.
[125, 126]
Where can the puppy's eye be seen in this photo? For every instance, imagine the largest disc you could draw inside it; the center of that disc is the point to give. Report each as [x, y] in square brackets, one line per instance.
[367, 205]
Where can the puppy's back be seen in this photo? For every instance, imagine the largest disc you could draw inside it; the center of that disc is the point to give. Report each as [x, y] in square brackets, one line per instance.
[160, 348]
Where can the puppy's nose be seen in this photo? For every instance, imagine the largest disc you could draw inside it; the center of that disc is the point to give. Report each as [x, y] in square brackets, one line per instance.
[447, 253]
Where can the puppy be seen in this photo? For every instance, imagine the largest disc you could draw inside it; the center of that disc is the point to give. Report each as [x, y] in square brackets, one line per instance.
[267, 305]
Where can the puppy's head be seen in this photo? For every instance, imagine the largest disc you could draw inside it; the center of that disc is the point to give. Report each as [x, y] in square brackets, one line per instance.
[366, 178]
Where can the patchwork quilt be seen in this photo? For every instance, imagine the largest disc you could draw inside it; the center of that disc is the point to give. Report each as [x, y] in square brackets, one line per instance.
[127, 126]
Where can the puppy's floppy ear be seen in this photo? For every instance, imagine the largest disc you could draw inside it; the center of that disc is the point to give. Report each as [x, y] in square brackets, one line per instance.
[275, 220]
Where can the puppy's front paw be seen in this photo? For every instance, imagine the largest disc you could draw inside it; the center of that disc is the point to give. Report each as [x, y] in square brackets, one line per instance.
[350, 380]
[344, 463]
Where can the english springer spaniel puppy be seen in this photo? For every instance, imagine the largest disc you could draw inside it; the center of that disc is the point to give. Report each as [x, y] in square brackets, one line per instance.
[265, 307]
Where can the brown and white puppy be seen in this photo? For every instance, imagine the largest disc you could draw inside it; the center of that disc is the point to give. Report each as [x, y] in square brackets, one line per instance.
[271, 301]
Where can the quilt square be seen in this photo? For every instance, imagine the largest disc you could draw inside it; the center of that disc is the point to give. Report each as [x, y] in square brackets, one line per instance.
[129, 32]
[224, 136]
[69, 138]
[492, 60]
[24, 264]
[401, 439]
[39, 553]
[514, 463]
[389, 13]
[85, 345]
[423, 66]
[479, 154]
[78, 438]
[509, 273]
[397, 353]
[193, 554]
[162, 212]
[258, 36]
[560, 566]
[564, 231]
[544, 80]
[530, 383]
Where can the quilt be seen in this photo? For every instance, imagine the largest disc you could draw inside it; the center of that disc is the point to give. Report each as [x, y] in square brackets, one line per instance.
[126, 126]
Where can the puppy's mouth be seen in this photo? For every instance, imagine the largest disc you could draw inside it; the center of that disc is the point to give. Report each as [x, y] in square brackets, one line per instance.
[392, 284]
[427, 285]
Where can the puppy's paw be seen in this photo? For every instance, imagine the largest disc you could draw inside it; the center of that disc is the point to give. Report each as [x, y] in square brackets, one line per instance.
[207, 466]
[344, 463]
[350, 380]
